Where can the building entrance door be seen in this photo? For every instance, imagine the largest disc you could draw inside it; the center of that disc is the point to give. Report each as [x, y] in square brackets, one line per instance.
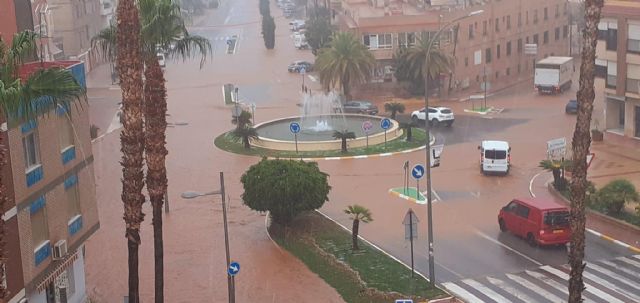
[637, 120]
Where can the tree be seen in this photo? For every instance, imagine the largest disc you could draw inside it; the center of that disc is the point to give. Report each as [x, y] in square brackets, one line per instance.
[346, 62]
[25, 99]
[163, 29]
[285, 188]
[557, 167]
[269, 32]
[343, 136]
[580, 145]
[411, 63]
[245, 134]
[265, 10]
[407, 127]
[319, 29]
[613, 196]
[244, 119]
[358, 214]
[394, 108]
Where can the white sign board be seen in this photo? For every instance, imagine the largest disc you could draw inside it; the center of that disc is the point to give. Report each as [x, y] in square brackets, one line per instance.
[556, 148]
[531, 49]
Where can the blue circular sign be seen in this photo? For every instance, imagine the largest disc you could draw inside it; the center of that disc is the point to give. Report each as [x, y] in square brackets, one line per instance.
[417, 172]
[294, 127]
[385, 123]
[233, 269]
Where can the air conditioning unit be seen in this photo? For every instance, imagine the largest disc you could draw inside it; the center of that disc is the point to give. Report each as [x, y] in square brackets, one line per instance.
[60, 250]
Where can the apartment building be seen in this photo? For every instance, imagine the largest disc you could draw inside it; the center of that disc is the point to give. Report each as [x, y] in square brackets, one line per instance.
[618, 61]
[74, 23]
[488, 45]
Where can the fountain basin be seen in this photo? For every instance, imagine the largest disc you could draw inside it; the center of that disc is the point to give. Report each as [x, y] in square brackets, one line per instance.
[275, 134]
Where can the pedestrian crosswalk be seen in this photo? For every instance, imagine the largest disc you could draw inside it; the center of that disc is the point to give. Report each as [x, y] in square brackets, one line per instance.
[612, 281]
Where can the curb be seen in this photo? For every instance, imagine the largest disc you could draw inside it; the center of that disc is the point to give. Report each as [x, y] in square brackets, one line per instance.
[405, 197]
[607, 218]
[479, 113]
[360, 156]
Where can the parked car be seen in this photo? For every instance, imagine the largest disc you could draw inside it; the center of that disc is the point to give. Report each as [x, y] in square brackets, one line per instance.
[571, 107]
[296, 25]
[300, 41]
[437, 115]
[297, 66]
[360, 107]
[539, 221]
[495, 157]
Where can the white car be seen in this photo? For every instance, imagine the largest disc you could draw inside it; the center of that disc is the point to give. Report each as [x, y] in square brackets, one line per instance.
[437, 115]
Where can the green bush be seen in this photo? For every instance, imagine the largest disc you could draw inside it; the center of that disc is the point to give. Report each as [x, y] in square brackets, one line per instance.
[612, 197]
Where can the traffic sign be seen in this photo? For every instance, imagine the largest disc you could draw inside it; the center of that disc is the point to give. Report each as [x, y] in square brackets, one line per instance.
[294, 127]
[404, 301]
[417, 172]
[367, 126]
[303, 70]
[410, 223]
[385, 123]
[233, 269]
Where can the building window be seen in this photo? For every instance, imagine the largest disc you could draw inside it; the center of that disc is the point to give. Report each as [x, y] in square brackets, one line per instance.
[557, 33]
[519, 19]
[407, 39]
[466, 61]
[470, 31]
[612, 39]
[497, 24]
[564, 11]
[612, 72]
[39, 230]
[633, 43]
[546, 14]
[508, 71]
[73, 200]
[484, 27]
[509, 22]
[31, 149]
[498, 51]
[535, 39]
[378, 41]
[545, 37]
[633, 78]
[487, 55]
[565, 31]
[520, 45]
[509, 48]
[535, 16]
[65, 132]
[497, 75]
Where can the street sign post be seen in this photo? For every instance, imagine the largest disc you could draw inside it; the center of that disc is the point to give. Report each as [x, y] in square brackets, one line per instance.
[406, 176]
[233, 269]
[385, 124]
[531, 49]
[436, 151]
[417, 172]
[366, 127]
[410, 223]
[303, 71]
[294, 127]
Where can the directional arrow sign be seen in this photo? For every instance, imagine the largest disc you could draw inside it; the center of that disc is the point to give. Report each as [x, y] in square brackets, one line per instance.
[233, 269]
[417, 172]
[385, 123]
[294, 127]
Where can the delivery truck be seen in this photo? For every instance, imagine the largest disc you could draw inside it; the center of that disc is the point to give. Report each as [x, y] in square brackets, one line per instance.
[553, 75]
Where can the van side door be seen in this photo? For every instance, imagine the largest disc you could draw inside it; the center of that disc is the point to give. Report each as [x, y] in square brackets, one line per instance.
[522, 219]
[509, 216]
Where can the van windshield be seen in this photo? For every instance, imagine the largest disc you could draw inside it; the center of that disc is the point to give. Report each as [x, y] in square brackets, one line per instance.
[495, 154]
[556, 218]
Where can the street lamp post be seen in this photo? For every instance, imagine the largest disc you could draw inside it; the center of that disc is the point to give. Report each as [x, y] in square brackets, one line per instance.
[192, 194]
[432, 274]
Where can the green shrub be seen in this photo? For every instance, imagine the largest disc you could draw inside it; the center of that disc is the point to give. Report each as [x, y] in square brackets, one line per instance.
[612, 197]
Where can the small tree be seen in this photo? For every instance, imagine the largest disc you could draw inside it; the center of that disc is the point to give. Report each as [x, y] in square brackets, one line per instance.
[245, 135]
[269, 31]
[264, 8]
[244, 120]
[285, 188]
[344, 135]
[319, 28]
[394, 108]
[358, 213]
[556, 167]
[407, 126]
[613, 196]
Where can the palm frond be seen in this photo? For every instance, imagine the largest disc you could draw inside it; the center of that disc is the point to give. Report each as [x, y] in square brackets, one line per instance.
[192, 45]
[105, 41]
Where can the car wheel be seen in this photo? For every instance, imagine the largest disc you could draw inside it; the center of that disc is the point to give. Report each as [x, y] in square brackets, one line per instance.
[503, 226]
[531, 240]
[434, 122]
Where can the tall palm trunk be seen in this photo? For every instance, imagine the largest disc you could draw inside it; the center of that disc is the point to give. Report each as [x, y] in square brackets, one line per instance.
[155, 106]
[354, 234]
[344, 145]
[3, 200]
[581, 143]
[130, 68]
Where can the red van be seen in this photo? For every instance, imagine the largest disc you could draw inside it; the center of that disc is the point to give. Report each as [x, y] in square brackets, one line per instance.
[539, 221]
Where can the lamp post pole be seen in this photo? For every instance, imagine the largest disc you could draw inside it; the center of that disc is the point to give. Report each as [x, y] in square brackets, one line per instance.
[432, 274]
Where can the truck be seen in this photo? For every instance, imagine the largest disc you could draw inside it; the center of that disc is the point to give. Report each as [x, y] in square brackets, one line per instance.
[553, 75]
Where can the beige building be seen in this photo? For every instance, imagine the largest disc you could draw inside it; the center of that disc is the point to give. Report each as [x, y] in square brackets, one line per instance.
[618, 61]
[492, 42]
[74, 22]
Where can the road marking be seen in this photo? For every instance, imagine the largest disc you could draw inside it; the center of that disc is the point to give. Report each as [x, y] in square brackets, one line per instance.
[637, 257]
[549, 281]
[613, 275]
[486, 291]
[535, 288]
[631, 262]
[460, 292]
[434, 194]
[313, 78]
[507, 247]
[512, 291]
[622, 269]
[610, 239]
[590, 288]
[531, 183]
[475, 194]
[611, 286]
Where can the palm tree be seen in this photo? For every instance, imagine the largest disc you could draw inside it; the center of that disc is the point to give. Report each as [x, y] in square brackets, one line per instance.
[358, 213]
[17, 98]
[346, 62]
[162, 29]
[244, 119]
[580, 145]
[245, 135]
[344, 135]
[394, 108]
[407, 127]
[130, 67]
[414, 57]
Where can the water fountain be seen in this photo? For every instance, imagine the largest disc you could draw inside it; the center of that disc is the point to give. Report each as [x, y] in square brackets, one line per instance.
[320, 116]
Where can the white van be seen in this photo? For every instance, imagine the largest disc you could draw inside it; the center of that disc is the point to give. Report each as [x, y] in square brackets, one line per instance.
[495, 157]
